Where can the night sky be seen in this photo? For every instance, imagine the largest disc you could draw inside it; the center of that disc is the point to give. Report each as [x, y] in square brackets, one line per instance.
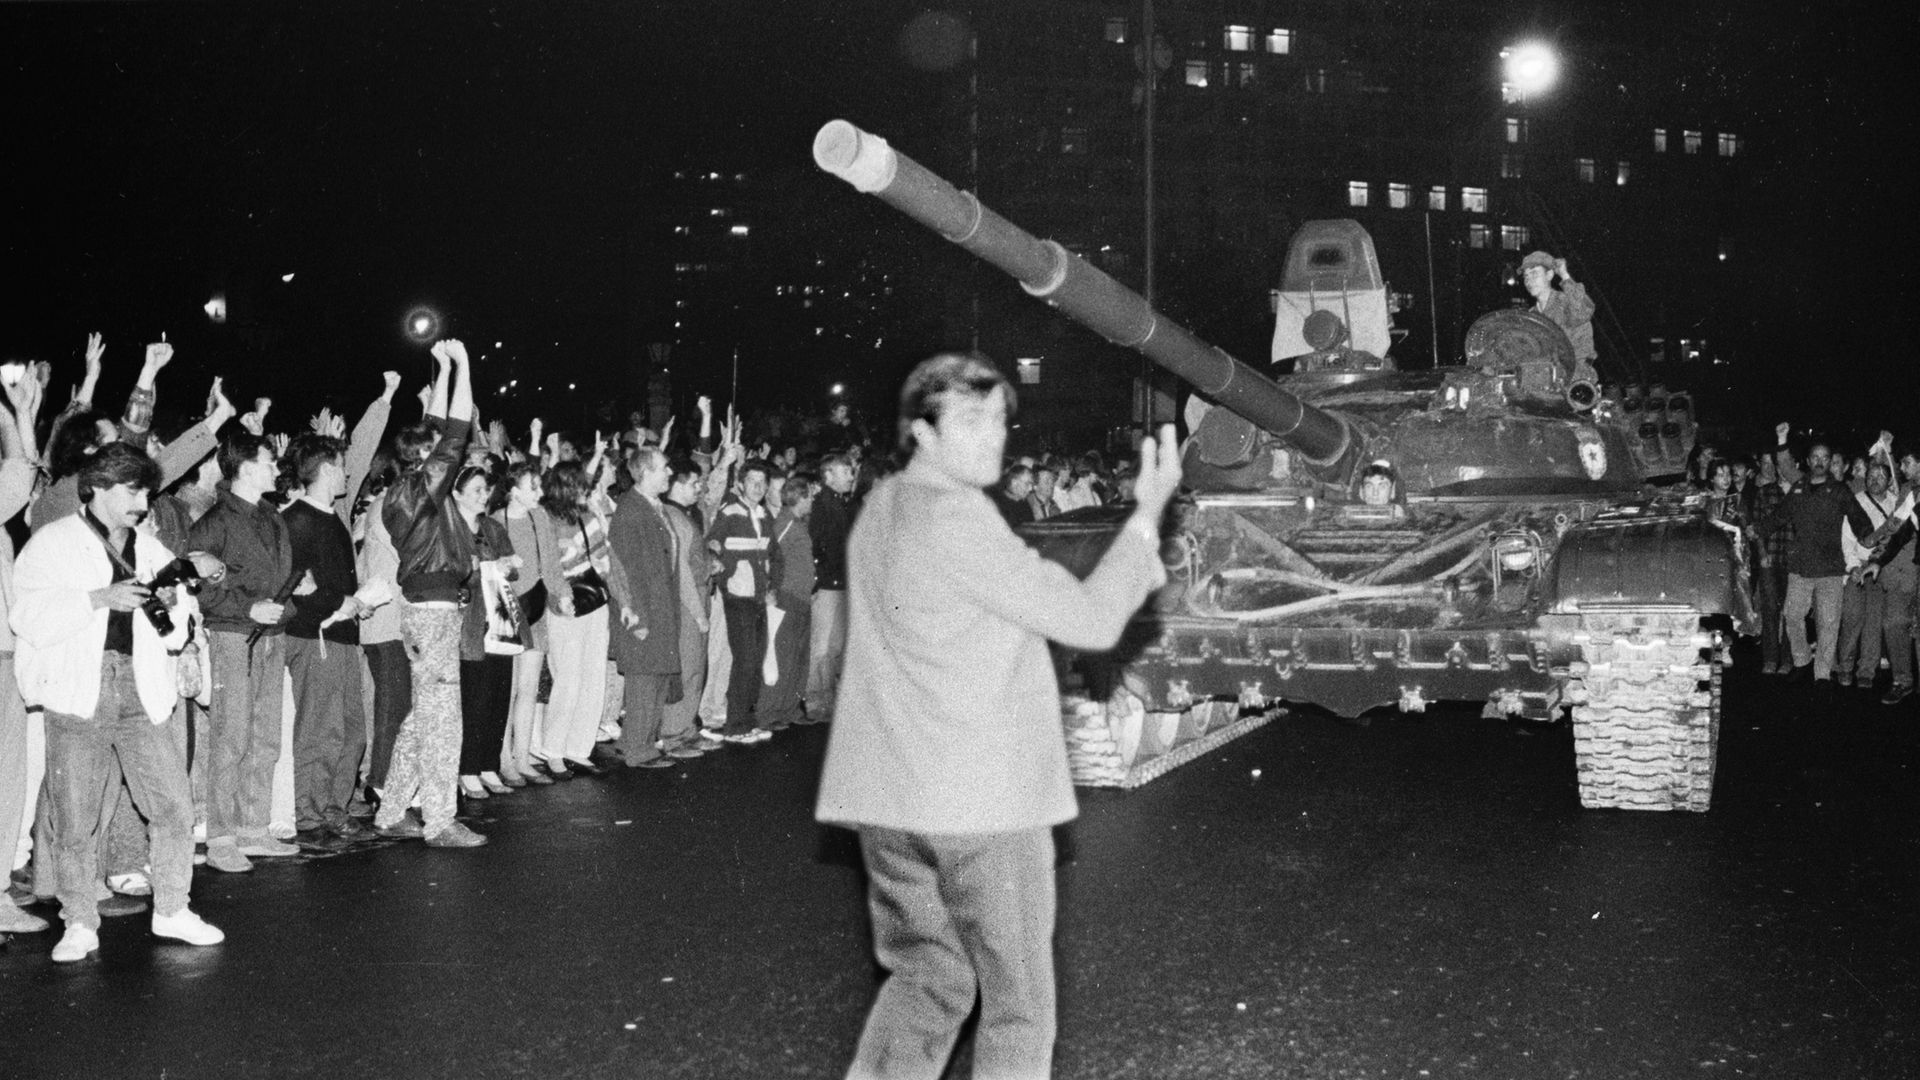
[490, 160]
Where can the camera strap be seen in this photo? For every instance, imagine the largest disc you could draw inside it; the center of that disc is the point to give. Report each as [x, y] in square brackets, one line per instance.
[120, 563]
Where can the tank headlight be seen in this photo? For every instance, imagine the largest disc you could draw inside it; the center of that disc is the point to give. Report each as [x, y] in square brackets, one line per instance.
[1516, 558]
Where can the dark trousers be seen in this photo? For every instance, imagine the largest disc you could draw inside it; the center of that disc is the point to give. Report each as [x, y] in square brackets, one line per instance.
[486, 690]
[747, 637]
[329, 729]
[645, 699]
[1770, 592]
[392, 700]
[955, 917]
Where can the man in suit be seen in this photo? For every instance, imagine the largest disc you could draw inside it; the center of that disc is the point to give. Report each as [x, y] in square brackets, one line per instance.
[645, 588]
[946, 754]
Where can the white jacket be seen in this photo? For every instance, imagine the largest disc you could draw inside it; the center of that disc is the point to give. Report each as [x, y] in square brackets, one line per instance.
[61, 636]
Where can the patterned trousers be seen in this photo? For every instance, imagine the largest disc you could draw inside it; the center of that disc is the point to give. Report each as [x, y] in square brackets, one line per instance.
[426, 756]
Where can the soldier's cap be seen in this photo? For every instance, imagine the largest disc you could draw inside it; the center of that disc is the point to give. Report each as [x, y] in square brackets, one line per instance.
[1539, 258]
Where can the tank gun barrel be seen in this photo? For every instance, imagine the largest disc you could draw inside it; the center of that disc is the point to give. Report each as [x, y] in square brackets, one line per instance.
[1049, 271]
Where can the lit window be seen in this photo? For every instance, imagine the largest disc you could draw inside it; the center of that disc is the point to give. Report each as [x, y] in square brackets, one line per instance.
[1196, 73]
[1513, 237]
[1358, 193]
[1729, 144]
[1692, 141]
[679, 303]
[1398, 196]
[1516, 130]
[1280, 42]
[1657, 349]
[1585, 169]
[738, 230]
[1073, 140]
[681, 268]
[1029, 369]
[1659, 140]
[717, 212]
[1622, 173]
[1477, 235]
[1510, 166]
[1509, 93]
[1317, 81]
[679, 230]
[1437, 197]
[1473, 200]
[1245, 74]
[1117, 30]
[1239, 39]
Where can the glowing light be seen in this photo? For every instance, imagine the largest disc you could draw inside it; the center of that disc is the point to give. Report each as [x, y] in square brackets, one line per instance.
[1531, 67]
[838, 389]
[422, 324]
[286, 277]
[216, 308]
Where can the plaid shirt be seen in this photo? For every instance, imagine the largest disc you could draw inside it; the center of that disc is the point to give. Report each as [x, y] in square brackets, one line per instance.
[1776, 529]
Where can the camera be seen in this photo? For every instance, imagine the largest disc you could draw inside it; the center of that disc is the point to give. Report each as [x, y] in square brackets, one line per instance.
[180, 572]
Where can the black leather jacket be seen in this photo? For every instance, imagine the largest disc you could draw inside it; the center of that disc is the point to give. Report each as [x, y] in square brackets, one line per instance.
[435, 547]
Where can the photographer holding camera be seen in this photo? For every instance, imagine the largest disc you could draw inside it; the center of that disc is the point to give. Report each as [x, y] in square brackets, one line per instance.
[89, 652]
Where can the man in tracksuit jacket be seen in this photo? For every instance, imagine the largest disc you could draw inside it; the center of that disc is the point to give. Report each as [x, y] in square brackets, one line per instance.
[741, 536]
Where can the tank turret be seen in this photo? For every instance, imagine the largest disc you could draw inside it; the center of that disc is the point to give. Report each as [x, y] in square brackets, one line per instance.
[1324, 440]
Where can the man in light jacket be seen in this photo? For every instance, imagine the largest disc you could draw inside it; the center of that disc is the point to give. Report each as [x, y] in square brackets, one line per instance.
[89, 656]
[946, 753]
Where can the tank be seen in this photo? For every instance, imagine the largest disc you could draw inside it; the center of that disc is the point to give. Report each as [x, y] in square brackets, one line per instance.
[1355, 536]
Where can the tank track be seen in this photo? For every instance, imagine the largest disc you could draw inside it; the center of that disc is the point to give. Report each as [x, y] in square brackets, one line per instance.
[1646, 711]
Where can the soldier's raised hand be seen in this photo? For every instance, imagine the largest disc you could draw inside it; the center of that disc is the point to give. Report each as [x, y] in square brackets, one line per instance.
[1159, 477]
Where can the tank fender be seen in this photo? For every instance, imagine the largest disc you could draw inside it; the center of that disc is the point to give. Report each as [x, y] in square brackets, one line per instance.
[1669, 561]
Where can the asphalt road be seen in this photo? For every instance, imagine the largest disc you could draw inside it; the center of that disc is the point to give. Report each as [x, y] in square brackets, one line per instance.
[1416, 897]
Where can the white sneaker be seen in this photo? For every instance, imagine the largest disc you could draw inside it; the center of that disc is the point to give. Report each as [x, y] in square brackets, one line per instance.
[75, 944]
[131, 883]
[712, 735]
[184, 925]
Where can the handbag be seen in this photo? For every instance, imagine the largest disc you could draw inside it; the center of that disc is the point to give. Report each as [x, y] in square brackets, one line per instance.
[533, 602]
[589, 588]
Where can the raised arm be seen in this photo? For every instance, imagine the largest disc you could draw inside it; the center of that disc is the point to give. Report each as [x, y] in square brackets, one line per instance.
[17, 472]
[96, 348]
[184, 453]
[137, 420]
[461, 406]
[366, 439]
[437, 397]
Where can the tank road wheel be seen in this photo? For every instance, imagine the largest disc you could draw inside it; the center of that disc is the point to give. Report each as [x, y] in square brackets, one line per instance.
[1646, 713]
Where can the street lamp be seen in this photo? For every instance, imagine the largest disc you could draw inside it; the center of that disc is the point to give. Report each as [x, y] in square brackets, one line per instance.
[1531, 67]
[422, 324]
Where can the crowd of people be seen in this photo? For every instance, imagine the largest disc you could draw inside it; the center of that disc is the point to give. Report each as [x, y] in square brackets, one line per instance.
[445, 611]
[1831, 541]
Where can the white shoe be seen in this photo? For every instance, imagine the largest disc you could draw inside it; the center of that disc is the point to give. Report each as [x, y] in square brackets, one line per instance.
[712, 735]
[75, 944]
[131, 883]
[184, 925]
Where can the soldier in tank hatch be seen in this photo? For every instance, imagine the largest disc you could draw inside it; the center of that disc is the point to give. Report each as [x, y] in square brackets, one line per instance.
[1568, 306]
